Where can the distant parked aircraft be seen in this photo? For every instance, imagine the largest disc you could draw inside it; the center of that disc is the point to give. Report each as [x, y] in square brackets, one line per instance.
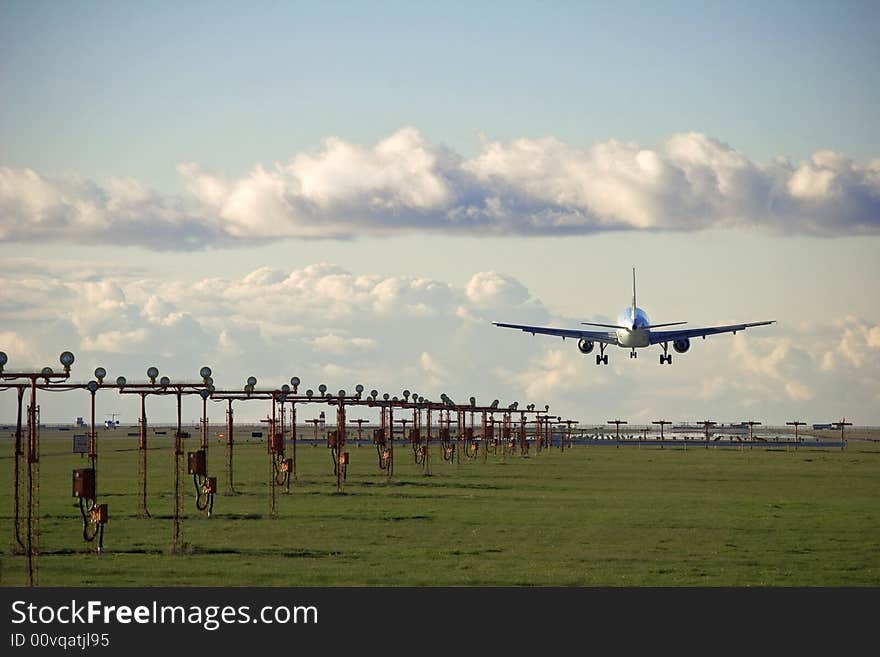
[632, 331]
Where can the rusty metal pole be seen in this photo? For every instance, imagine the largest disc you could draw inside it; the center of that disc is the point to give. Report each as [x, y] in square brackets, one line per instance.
[485, 429]
[293, 438]
[178, 492]
[230, 441]
[341, 455]
[16, 522]
[143, 512]
[428, 442]
[390, 469]
[33, 497]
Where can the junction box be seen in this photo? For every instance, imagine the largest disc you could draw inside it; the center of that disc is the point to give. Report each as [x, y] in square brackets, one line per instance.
[378, 437]
[84, 483]
[99, 514]
[331, 439]
[277, 443]
[197, 463]
[210, 486]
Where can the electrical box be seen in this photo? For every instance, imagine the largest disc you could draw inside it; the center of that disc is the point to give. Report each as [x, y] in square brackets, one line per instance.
[469, 433]
[198, 463]
[378, 437]
[210, 486]
[444, 435]
[331, 439]
[277, 445]
[505, 433]
[490, 432]
[99, 514]
[84, 483]
[343, 458]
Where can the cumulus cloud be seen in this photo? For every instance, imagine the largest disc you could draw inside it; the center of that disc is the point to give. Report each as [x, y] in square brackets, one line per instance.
[857, 347]
[395, 332]
[404, 183]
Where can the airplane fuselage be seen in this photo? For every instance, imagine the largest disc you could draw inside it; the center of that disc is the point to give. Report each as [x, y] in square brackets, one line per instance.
[637, 334]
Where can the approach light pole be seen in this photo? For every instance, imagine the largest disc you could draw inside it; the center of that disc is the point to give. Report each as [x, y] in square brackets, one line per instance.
[840, 425]
[796, 424]
[662, 424]
[617, 424]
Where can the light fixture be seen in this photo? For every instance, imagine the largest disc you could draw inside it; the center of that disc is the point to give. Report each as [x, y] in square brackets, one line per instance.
[152, 373]
[66, 360]
[100, 373]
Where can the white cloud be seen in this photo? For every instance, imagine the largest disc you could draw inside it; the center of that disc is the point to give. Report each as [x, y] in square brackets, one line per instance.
[404, 183]
[858, 346]
[336, 344]
[489, 288]
[391, 332]
[437, 374]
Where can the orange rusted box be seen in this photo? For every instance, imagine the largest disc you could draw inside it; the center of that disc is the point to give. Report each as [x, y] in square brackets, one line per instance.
[277, 443]
[84, 483]
[197, 463]
[99, 514]
[287, 465]
[210, 486]
[343, 458]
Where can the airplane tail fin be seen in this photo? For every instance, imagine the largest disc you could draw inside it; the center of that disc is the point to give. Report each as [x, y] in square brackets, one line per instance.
[634, 292]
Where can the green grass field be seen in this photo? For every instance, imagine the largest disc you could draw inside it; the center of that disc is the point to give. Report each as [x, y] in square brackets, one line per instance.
[593, 516]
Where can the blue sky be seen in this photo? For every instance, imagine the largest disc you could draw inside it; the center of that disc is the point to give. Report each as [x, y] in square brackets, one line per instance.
[135, 88]
[149, 149]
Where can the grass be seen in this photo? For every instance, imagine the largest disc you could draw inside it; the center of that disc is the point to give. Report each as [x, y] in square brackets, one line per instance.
[593, 516]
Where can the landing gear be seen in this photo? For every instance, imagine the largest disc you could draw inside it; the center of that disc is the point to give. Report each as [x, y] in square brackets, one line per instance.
[601, 357]
[633, 354]
[666, 357]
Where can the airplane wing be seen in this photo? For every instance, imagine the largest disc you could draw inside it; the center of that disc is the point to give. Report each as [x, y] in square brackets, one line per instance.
[609, 337]
[668, 336]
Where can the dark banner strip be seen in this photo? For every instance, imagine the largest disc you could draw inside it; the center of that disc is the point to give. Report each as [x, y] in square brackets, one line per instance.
[278, 620]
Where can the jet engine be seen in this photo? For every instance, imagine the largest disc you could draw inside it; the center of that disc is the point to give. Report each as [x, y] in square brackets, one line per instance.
[585, 346]
[681, 345]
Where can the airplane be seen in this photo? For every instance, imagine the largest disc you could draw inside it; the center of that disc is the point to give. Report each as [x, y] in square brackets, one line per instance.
[632, 331]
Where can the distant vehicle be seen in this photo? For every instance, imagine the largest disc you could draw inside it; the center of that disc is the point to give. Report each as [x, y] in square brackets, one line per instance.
[111, 422]
[823, 426]
[633, 330]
